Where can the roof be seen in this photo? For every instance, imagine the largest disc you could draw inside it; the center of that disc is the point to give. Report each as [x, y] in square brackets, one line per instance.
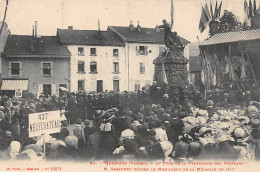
[195, 63]
[146, 35]
[235, 36]
[88, 37]
[21, 45]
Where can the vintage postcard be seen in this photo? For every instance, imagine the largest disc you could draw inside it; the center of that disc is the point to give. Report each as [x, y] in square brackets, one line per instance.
[129, 85]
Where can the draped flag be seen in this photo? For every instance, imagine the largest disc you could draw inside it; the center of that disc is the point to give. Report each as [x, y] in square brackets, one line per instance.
[203, 20]
[246, 13]
[219, 74]
[211, 10]
[164, 78]
[215, 12]
[219, 10]
[254, 7]
[214, 82]
[227, 67]
[250, 14]
[172, 13]
[206, 10]
[203, 72]
[243, 71]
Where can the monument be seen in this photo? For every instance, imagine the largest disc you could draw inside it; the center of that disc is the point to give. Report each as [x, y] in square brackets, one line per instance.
[171, 65]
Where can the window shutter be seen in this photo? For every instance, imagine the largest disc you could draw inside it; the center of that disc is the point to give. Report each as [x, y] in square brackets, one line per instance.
[146, 50]
[41, 68]
[10, 70]
[53, 89]
[137, 50]
[40, 88]
[21, 69]
[51, 68]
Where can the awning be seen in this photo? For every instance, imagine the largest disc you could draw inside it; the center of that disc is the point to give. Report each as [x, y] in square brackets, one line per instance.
[64, 89]
[14, 85]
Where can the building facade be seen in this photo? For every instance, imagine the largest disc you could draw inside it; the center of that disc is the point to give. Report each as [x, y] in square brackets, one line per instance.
[34, 64]
[143, 45]
[118, 59]
[97, 60]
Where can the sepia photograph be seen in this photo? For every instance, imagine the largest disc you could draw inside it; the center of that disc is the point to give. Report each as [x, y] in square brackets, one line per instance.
[129, 85]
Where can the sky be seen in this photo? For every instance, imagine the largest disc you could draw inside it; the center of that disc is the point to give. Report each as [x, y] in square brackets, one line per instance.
[84, 14]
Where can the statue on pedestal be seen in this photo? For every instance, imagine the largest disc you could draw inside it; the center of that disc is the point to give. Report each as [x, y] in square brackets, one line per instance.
[171, 39]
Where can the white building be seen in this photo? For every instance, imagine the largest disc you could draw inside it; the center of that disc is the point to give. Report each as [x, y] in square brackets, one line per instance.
[97, 60]
[118, 59]
[143, 45]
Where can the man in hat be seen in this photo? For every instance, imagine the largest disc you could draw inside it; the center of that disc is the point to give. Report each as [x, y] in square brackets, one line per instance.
[79, 133]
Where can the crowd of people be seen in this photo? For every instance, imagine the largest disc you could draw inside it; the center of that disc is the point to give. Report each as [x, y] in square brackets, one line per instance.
[173, 123]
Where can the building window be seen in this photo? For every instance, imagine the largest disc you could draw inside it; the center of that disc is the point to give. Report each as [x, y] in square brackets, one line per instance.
[80, 51]
[147, 84]
[47, 90]
[81, 85]
[142, 68]
[15, 68]
[137, 85]
[161, 51]
[81, 66]
[116, 85]
[115, 67]
[93, 67]
[99, 86]
[46, 68]
[142, 50]
[93, 51]
[115, 52]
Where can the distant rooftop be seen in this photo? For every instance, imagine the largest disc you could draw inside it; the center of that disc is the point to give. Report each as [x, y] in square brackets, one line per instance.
[19, 45]
[89, 37]
[146, 35]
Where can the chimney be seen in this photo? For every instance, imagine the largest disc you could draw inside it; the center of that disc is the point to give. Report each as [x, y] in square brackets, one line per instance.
[99, 32]
[131, 26]
[157, 29]
[35, 29]
[70, 27]
[138, 27]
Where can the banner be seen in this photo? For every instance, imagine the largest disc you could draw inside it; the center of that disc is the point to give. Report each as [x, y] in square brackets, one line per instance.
[45, 122]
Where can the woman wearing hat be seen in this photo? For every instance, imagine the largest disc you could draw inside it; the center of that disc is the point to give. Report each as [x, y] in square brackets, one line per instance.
[108, 135]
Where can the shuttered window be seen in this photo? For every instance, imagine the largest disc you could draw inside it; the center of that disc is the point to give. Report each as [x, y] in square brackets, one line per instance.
[142, 68]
